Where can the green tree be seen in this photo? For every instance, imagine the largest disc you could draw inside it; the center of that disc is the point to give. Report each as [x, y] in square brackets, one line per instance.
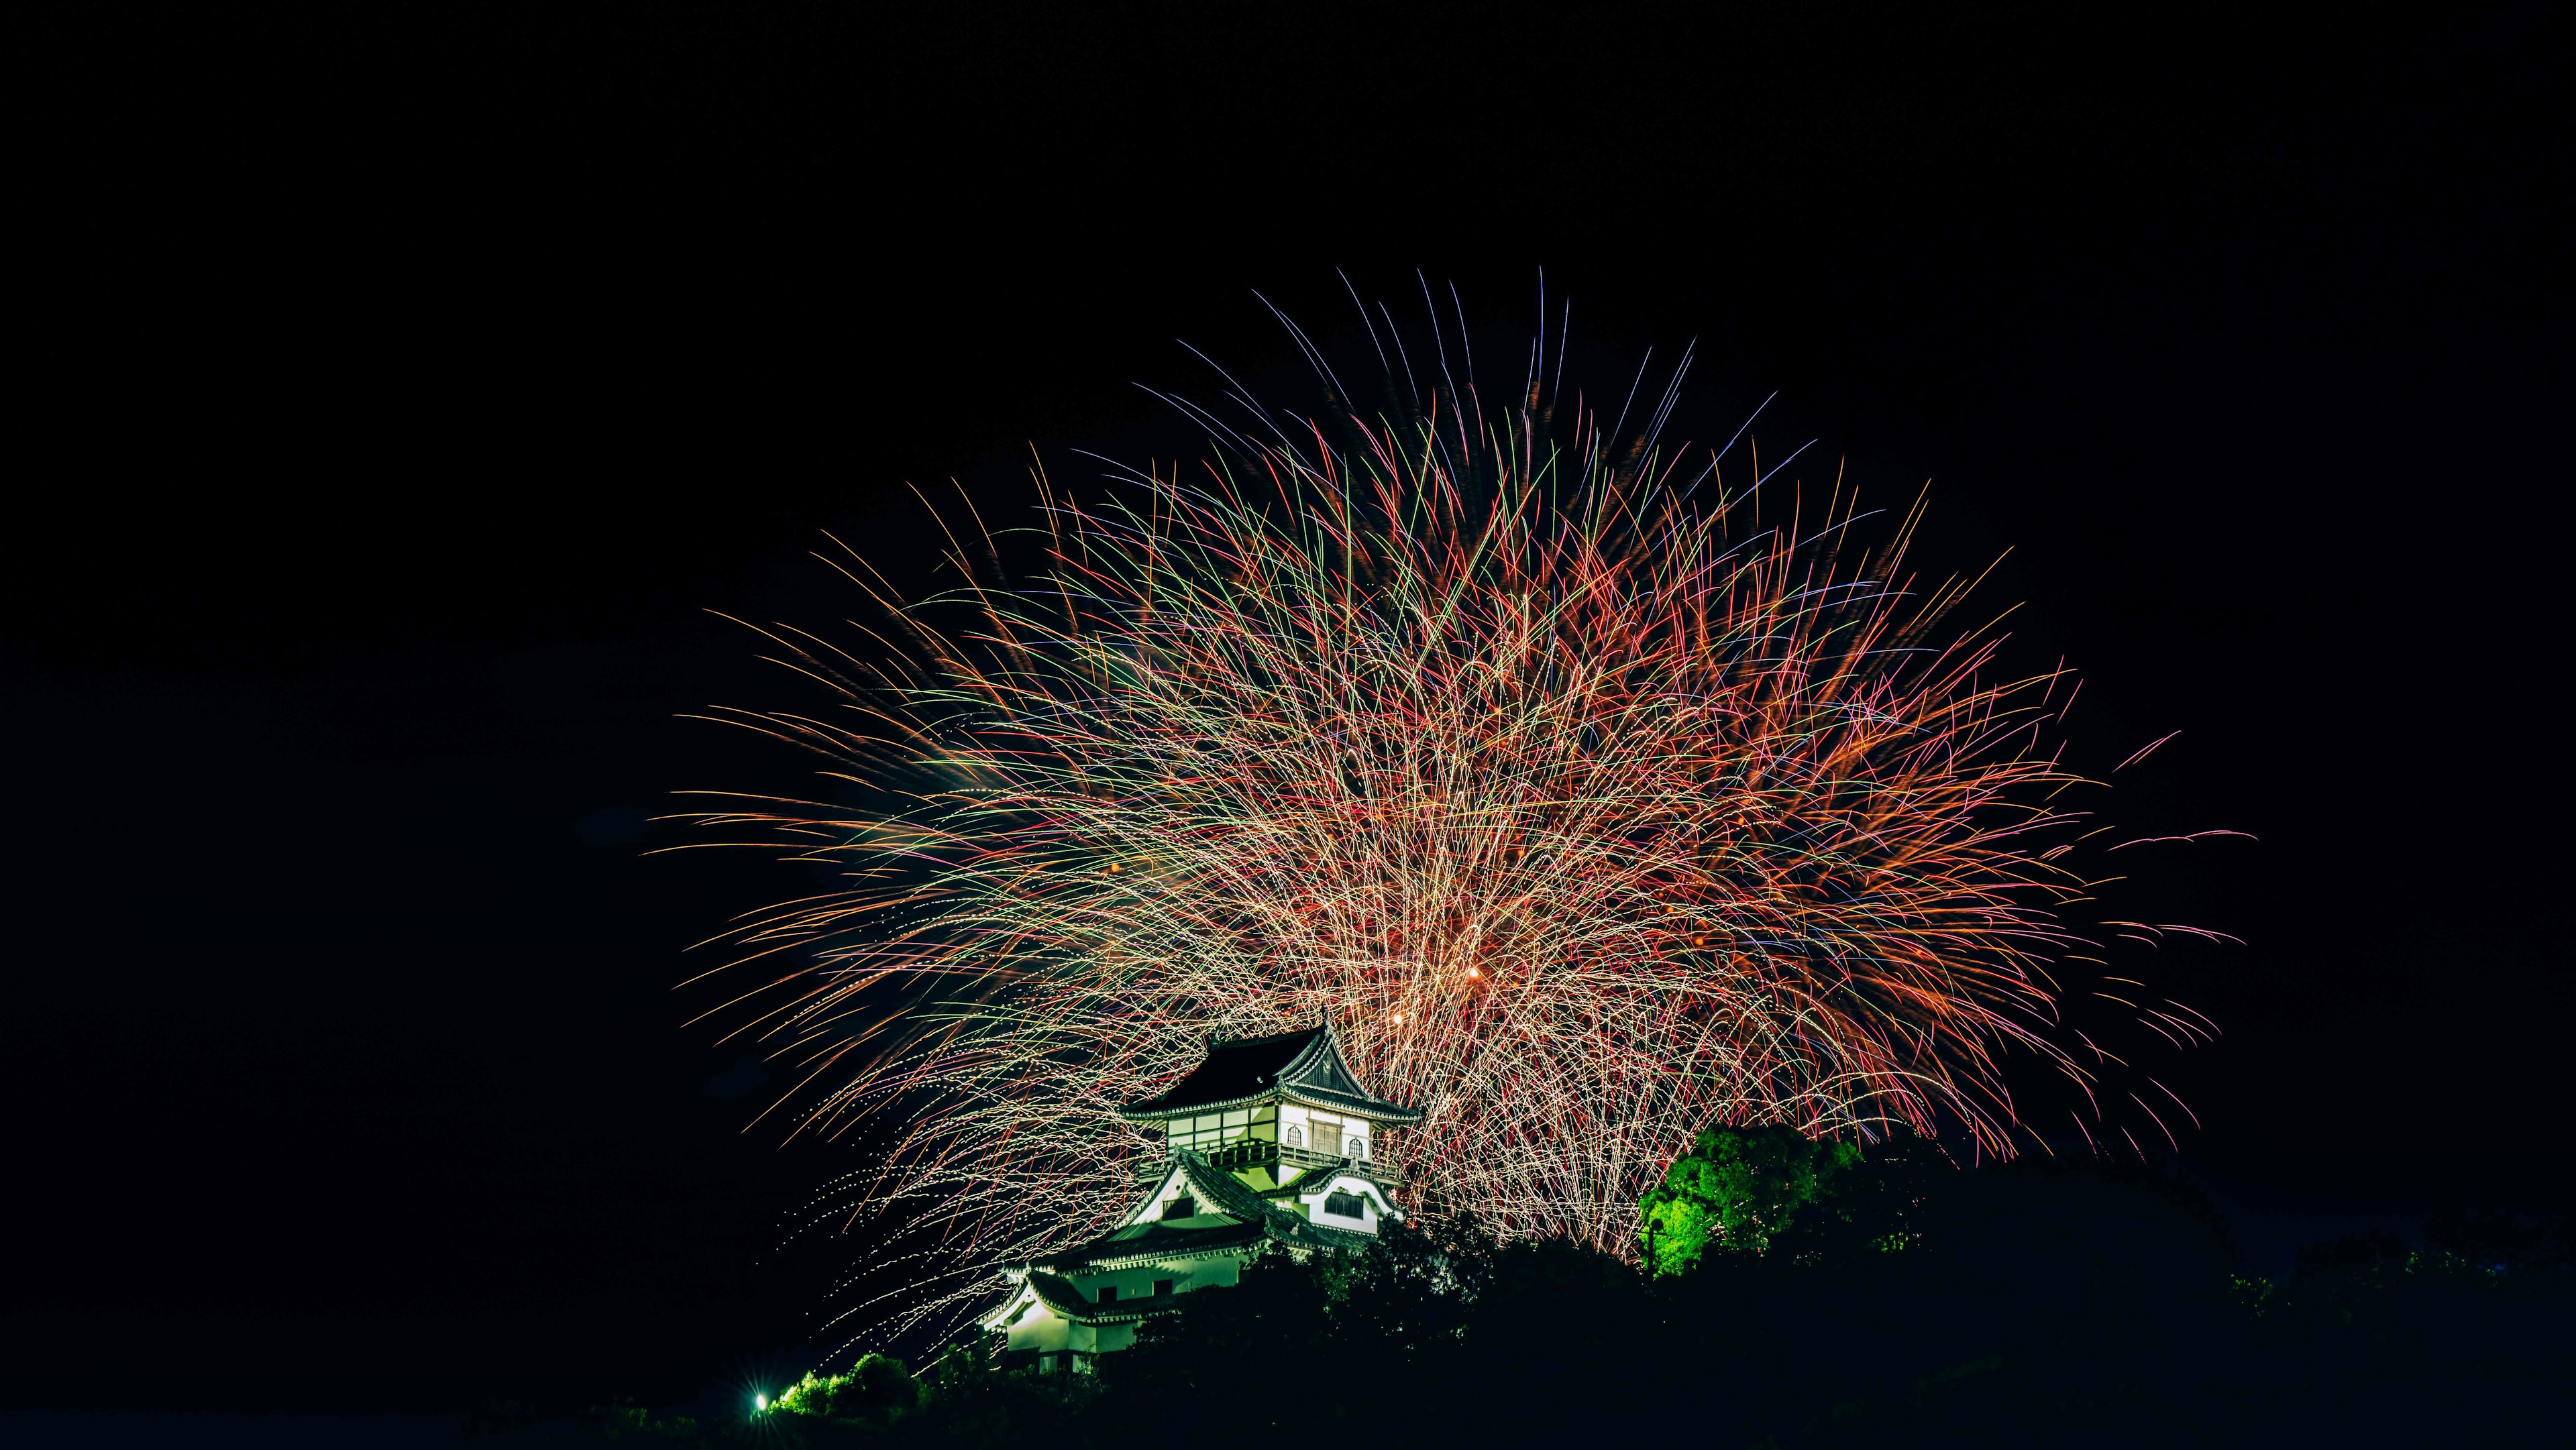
[1734, 1191]
[875, 1388]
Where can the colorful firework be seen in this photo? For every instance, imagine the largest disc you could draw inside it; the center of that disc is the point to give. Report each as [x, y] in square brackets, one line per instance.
[1593, 801]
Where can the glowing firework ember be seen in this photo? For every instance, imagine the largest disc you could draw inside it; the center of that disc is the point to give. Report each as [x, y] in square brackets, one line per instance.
[1593, 802]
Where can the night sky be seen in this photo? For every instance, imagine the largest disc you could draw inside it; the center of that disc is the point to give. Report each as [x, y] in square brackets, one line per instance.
[398, 395]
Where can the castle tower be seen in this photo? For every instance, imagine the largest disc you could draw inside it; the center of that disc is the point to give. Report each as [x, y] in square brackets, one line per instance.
[1268, 1145]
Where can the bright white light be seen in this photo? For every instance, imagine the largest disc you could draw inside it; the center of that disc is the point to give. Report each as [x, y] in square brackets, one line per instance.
[759, 1402]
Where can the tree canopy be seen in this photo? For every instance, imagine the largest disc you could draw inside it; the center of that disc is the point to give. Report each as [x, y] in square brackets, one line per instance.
[1801, 1294]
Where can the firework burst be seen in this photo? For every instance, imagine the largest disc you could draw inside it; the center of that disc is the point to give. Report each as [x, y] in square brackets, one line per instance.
[1593, 801]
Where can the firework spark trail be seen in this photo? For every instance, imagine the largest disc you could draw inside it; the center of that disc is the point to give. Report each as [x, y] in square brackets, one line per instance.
[1590, 814]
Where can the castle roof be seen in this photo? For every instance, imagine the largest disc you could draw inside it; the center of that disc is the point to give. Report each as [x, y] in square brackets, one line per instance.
[1242, 1217]
[1230, 1218]
[1304, 1067]
[1065, 1301]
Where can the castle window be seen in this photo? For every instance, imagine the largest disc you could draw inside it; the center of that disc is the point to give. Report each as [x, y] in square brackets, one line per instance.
[1355, 1148]
[1162, 1287]
[1296, 1136]
[1108, 1293]
[1346, 1205]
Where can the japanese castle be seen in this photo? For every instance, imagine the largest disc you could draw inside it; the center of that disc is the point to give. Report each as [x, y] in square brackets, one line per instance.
[1266, 1145]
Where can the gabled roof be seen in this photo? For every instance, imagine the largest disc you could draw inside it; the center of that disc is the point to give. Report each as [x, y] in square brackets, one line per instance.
[1305, 1067]
[1155, 1241]
[1059, 1295]
[1217, 1189]
[1304, 1182]
[1220, 1194]
[1066, 1302]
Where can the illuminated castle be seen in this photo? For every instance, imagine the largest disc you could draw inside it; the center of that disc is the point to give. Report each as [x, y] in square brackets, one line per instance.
[1268, 1143]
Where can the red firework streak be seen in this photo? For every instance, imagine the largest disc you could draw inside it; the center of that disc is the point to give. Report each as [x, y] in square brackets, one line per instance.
[1592, 802]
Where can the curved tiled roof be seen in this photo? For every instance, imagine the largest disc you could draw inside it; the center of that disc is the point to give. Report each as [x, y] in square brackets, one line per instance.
[1303, 1066]
[1219, 1194]
[1231, 1198]
[1066, 1302]
[1154, 1241]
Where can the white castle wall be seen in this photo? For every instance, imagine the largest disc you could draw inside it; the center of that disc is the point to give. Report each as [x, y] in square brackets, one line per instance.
[1303, 1118]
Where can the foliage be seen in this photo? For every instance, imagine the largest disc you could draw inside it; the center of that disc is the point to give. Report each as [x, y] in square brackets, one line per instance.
[2031, 1304]
[1735, 1190]
[1876, 1299]
[876, 1389]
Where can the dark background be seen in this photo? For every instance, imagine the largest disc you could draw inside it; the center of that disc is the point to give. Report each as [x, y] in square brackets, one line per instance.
[397, 390]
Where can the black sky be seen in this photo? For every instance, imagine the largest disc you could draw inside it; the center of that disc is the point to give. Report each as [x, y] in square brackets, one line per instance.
[399, 391]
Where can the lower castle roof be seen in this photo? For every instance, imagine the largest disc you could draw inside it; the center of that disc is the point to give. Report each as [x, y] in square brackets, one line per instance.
[1065, 1301]
[1245, 1217]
